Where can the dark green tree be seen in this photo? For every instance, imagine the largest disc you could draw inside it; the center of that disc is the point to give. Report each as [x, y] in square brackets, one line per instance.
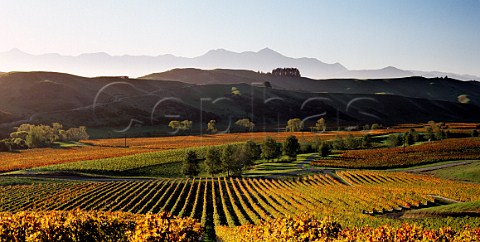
[251, 151]
[324, 149]
[213, 161]
[190, 164]
[291, 147]
[270, 149]
[474, 133]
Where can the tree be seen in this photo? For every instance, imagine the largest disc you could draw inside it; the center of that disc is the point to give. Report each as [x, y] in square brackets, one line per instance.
[235, 91]
[270, 149]
[228, 155]
[429, 135]
[245, 122]
[213, 161]
[294, 125]
[291, 147]
[394, 140]
[40, 136]
[366, 141]
[251, 151]
[366, 127]
[211, 126]
[474, 133]
[267, 84]
[190, 164]
[186, 125]
[180, 125]
[339, 143]
[76, 134]
[320, 125]
[375, 126]
[350, 142]
[324, 149]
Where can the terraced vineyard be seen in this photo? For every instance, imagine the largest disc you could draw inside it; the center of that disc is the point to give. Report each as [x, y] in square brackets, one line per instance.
[236, 201]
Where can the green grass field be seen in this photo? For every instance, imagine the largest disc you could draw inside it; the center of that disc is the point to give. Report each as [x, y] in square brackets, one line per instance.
[469, 172]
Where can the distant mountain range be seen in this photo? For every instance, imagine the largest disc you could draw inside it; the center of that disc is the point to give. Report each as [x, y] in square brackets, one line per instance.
[103, 64]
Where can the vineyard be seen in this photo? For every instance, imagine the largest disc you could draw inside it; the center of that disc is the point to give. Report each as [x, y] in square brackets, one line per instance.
[235, 201]
[429, 152]
[143, 148]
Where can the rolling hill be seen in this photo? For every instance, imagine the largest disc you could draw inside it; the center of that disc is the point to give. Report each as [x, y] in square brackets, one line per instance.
[445, 89]
[46, 97]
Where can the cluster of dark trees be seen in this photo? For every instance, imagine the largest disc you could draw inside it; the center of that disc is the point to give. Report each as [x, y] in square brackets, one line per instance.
[286, 72]
[38, 136]
[233, 159]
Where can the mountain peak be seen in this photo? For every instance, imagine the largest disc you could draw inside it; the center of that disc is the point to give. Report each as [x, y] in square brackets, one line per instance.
[268, 51]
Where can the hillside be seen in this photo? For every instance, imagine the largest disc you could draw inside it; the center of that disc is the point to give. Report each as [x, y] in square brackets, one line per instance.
[419, 87]
[45, 97]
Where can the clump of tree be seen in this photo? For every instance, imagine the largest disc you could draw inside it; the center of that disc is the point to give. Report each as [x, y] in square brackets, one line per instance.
[294, 125]
[474, 133]
[320, 125]
[39, 136]
[270, 149]
[395, 140]
[436, 131]
[235, 91]
[410, 137]
[211, 126]
[324, 149]
[286, 72]
[375, 126]
[232, 159]
[291, 147]
[245, 123]
[351, 143]
[190, 166]
[180, 125]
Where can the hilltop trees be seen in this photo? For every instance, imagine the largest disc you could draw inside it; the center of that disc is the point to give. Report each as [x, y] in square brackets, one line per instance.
[211, 126]
[246, 123]
[294, 125]
[320, 125]
[294, 72]
[180, 125]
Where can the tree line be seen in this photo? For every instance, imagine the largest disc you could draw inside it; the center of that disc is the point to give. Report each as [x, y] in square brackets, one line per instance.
[234, 158]
[39, 136]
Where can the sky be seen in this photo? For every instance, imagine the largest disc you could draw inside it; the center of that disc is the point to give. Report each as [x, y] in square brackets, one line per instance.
[441, 35]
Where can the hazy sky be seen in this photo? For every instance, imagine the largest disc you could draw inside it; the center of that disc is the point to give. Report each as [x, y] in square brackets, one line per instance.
[425, 35]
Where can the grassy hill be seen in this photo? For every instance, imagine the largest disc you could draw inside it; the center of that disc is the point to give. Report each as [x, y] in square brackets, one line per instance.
[46, 97]
[429, 88]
